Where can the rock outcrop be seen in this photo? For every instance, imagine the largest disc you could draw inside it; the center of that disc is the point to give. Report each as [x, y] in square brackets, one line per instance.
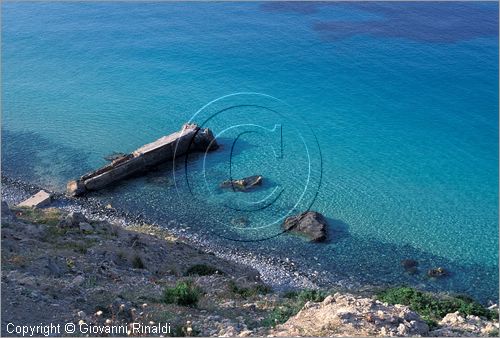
[311, 224]
[243, 184]
[454, 325]
[190, 138]
[348, 315]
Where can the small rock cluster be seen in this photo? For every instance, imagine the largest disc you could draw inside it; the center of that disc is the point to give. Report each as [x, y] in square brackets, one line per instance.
[243, 184]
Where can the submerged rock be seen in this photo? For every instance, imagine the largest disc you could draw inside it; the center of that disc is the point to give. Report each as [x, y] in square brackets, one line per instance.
[310, 223]
[242, 184]
[410, 265]
[240, 222]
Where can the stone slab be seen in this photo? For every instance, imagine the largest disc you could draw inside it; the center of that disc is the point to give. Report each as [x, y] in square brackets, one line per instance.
[40, 199]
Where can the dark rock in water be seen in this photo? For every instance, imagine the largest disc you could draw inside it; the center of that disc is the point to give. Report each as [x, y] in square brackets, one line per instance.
[410, 266]
[437, 272]
[204, 140]
[243, 184]
[114, 156]
[409, 263]
[310, 223]
[240, 222]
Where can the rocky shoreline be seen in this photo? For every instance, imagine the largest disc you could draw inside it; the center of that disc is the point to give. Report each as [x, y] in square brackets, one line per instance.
[279, 273]
[61, 266]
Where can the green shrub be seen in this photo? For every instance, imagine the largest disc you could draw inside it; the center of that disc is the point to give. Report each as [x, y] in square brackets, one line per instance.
[253, 291]
[493, 333]
[311, 295]
[431, 323]
[201, 270]
[431, 307]
[280, 314]
[184, 293]
[306, 295]
[49, 216]
[137, 262]
[297, 299]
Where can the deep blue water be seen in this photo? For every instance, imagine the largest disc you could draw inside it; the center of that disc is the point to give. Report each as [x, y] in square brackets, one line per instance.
[386, 119]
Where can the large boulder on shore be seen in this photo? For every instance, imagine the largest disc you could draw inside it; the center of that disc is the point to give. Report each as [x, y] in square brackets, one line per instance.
[311, 224]
[242, 184]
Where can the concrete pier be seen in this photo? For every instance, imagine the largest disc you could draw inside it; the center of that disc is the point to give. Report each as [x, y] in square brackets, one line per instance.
[190, 138]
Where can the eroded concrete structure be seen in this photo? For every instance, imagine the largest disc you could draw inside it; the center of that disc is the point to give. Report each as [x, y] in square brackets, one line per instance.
[190, 138]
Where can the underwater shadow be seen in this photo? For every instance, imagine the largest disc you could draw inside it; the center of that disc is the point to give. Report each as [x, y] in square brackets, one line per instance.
[30, 157]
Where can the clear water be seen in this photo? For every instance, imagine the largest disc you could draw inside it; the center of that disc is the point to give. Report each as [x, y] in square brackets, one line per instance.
[389, 116]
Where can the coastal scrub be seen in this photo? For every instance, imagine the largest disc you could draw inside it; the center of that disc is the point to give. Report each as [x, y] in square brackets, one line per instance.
[183, 293]
[434, 307]
[295, 302]
[201, 270]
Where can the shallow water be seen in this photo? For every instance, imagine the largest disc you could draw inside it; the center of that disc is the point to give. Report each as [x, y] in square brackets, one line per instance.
[387, 123]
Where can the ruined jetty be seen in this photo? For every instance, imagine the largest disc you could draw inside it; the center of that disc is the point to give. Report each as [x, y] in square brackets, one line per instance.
[190, 138]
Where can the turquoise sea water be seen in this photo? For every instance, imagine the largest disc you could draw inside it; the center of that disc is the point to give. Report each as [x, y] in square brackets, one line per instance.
[388, 117]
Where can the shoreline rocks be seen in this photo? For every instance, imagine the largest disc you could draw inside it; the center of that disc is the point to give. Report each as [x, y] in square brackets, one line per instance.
[311, 224]
[84, 271]
[243, 184]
